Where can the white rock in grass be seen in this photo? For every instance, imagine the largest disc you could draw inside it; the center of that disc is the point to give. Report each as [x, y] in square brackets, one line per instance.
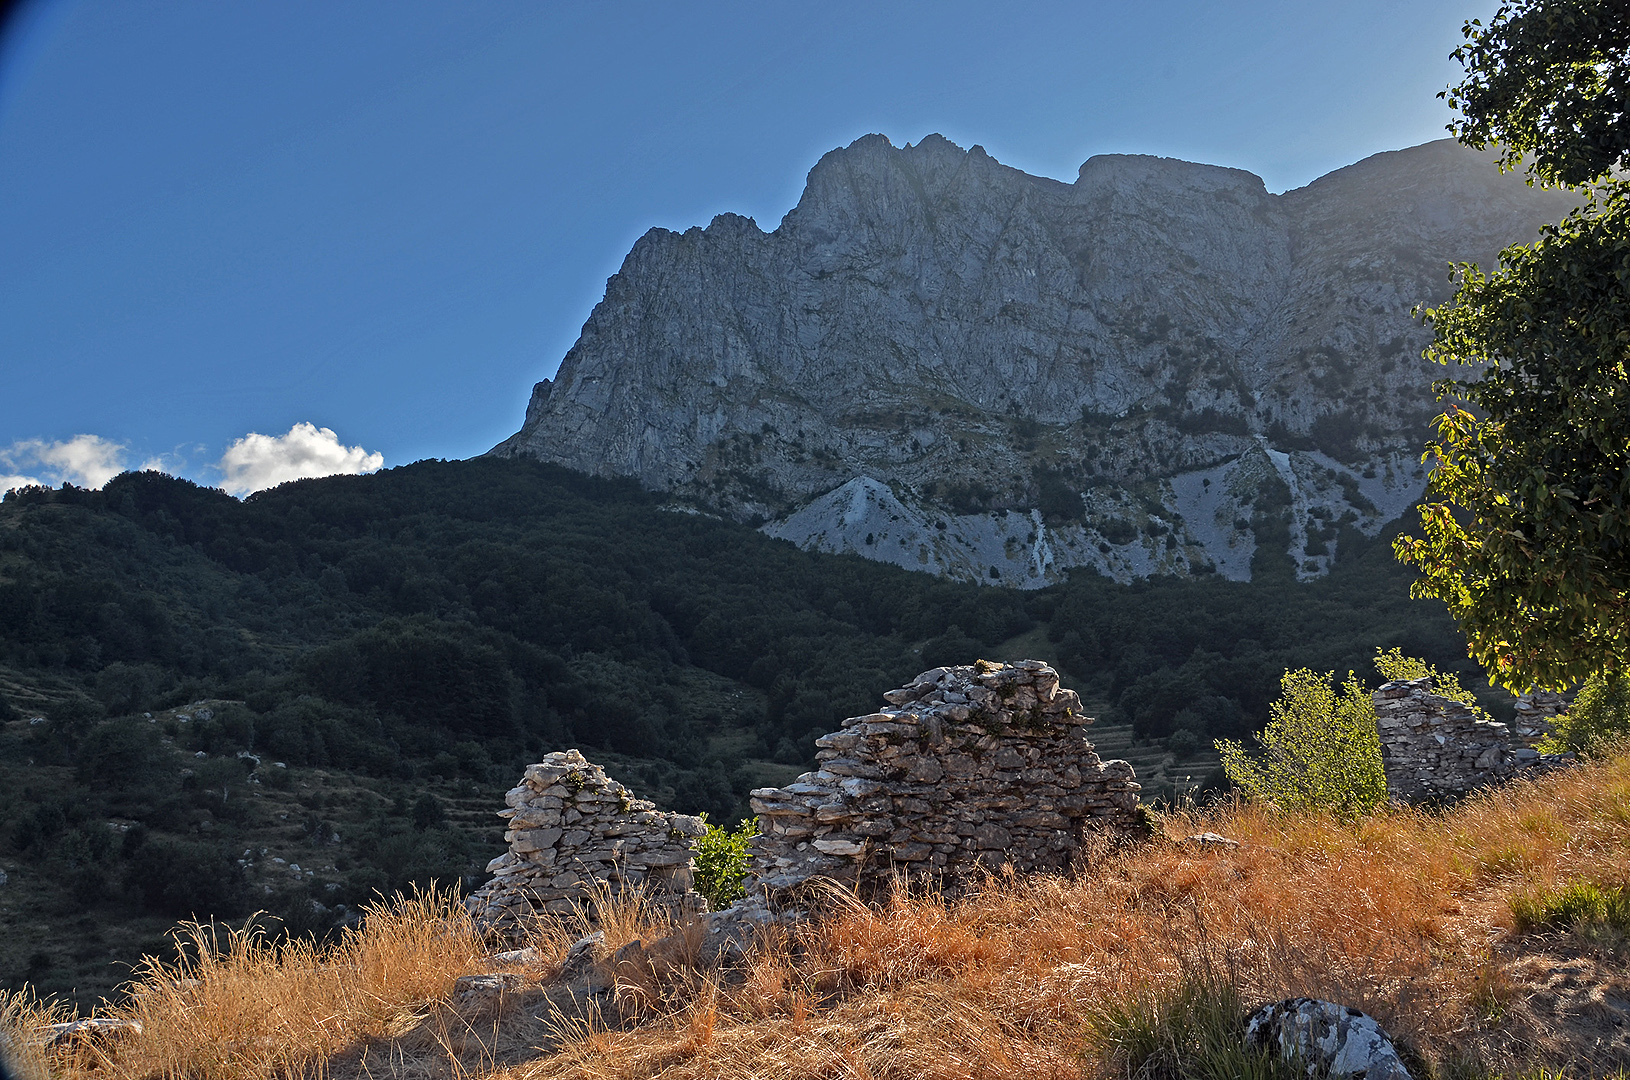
[1329, 1039]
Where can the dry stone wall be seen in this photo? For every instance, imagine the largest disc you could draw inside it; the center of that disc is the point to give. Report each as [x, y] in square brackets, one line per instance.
[967, 767]
[1534, 714]
[573, 832]
[1433, 747]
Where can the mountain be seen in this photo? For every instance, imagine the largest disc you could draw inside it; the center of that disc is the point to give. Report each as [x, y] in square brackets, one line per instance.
[945, 363]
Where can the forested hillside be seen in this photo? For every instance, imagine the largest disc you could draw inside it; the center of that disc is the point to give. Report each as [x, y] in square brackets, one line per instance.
[378, 656]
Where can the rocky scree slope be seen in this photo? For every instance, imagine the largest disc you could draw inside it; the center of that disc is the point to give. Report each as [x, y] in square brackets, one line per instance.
[945, 363]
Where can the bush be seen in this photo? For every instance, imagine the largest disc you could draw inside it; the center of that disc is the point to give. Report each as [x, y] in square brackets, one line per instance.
[1394, 666]
[1321, 751]
[721, 863]
[186, 880]
[1598, 717]
[427, 812]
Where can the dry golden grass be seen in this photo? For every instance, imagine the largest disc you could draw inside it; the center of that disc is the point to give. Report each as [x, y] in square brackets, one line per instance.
[1405, 915]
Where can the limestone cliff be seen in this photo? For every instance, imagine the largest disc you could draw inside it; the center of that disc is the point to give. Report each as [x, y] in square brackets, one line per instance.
[946, 363]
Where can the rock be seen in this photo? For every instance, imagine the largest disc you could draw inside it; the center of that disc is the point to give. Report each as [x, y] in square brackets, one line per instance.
[514, 958]
[1146, 320]
[1330, 1039]
[1210, 839]
[1435, 748]
[485, 993]
[575, 834]
[97, 1031]
[583, 955]
[949, 801]
[992, 838]
[839, 847]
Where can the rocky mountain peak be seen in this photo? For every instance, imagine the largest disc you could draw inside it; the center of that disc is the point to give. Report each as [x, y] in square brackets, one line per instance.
[1160, 368]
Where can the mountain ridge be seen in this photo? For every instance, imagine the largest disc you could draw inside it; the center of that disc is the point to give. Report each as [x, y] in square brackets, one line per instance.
[1063, 361]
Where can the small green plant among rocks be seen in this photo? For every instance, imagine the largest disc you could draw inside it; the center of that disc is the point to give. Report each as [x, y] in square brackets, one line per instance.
[721, 858]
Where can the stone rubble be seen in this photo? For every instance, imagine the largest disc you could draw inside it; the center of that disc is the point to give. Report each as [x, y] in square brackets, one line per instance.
[1433, 747]
[574, 834]
[968, 767]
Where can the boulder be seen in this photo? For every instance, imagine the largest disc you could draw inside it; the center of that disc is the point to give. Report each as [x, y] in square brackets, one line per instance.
[1328, 1039]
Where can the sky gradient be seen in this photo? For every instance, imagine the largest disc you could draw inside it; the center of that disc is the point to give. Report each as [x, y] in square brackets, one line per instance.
[387, 220]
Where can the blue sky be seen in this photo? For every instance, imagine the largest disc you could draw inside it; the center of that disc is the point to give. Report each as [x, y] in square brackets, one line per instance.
[385, 221]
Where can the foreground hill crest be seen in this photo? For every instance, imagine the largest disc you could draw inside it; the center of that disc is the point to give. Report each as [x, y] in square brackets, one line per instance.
[1159, 368]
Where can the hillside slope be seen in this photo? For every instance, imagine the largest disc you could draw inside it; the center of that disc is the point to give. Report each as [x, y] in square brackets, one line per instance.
[1145, 961]
[405, 642]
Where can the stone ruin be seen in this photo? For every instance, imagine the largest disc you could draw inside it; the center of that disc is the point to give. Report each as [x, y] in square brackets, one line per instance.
[1435, 748]
[968, 768]
[574, 834]
[1534, 712]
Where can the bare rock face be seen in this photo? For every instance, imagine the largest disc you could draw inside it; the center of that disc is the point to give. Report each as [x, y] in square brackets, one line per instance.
[1150, 370]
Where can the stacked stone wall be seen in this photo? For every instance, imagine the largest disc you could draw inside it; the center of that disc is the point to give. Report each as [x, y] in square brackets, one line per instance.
[575, 833]
[967, 767]
[1534, 714]
[1435, 748]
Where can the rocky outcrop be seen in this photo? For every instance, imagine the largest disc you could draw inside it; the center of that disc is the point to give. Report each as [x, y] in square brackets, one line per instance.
[1434, 747]
[967, 768]
[575, 834]
[1154, 369]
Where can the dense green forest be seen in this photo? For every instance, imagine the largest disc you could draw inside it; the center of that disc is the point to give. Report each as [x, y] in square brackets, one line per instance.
[385, 652]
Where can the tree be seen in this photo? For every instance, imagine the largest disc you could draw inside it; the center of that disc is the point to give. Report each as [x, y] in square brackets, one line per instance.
[1526, 534]
[1320, 751]
[1549, 78]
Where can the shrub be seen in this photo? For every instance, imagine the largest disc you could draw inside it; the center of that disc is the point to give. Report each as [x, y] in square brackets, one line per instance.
[721, 862]
[427, 812]
[186, 880]
[1320, 751]
[1598, 717]
[1394, 666]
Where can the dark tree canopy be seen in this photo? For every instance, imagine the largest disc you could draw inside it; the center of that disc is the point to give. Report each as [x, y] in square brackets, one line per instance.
[1550, 78]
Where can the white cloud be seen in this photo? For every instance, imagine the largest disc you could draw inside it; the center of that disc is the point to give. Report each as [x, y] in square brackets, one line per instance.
[257, 461]
[84, 460]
